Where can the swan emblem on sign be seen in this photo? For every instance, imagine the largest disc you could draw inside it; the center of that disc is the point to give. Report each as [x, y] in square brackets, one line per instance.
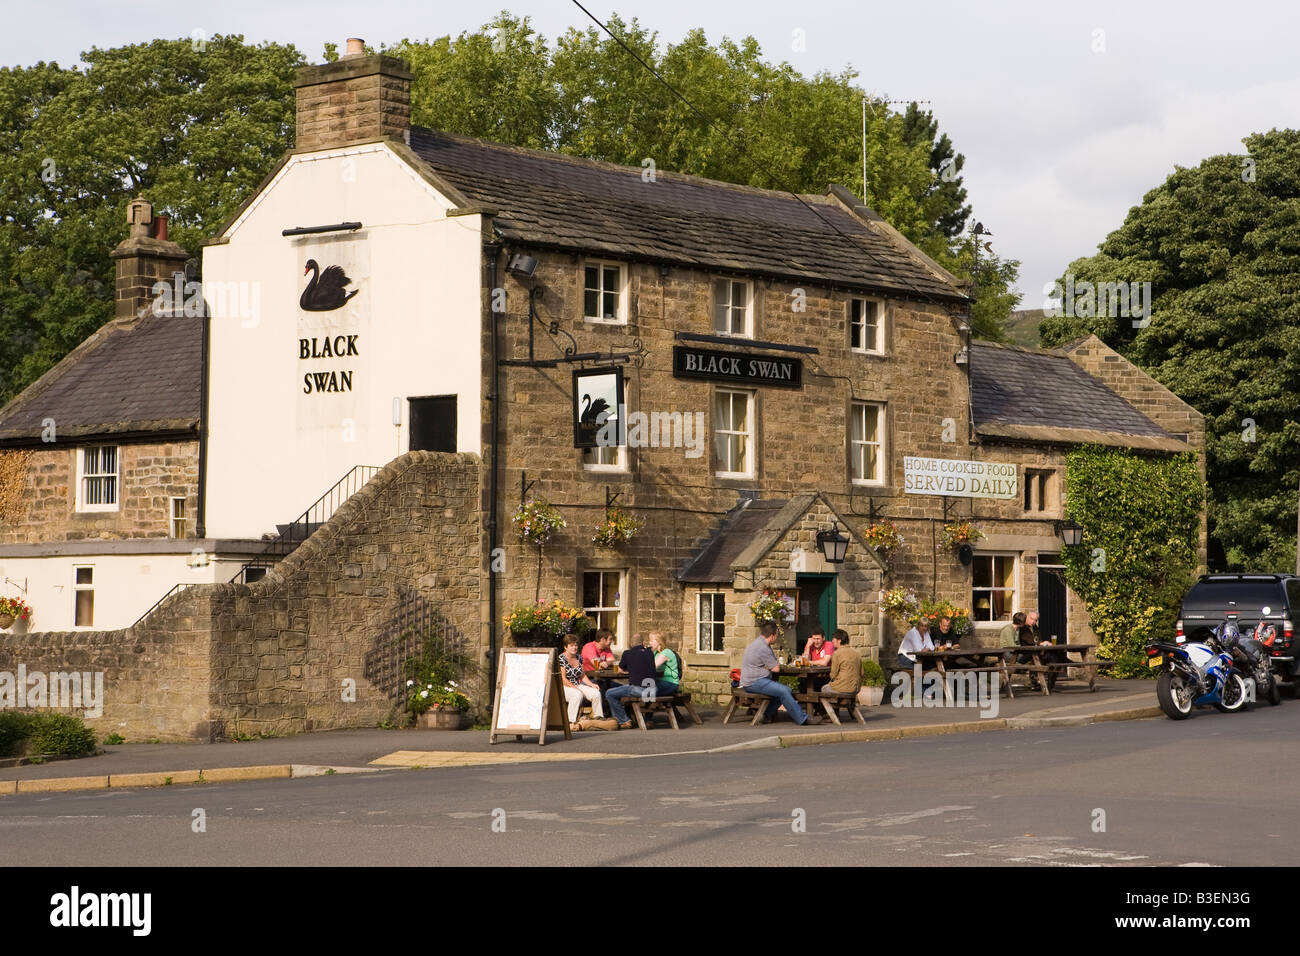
[325, 292]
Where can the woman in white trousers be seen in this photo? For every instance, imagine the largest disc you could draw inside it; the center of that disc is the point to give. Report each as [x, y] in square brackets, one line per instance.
[577, 685]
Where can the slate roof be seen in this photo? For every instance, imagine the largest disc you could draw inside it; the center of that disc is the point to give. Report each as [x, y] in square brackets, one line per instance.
[128, 377]
[565, 202]
[1038, 395]
[739, 528]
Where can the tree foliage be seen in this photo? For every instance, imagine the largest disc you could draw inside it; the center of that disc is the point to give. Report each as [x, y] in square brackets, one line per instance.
[1141, 527]
[1220, 245]
[195, 126]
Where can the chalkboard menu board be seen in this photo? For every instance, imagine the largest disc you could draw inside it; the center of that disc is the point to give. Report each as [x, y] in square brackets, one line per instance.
[529, 698]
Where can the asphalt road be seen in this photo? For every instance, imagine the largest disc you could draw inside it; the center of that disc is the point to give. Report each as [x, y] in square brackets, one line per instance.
[1016, 797]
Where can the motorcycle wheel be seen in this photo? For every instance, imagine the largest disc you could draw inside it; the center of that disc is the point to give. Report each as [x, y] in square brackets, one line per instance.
[1233, 697]
[1174, 696]
[1267, 682]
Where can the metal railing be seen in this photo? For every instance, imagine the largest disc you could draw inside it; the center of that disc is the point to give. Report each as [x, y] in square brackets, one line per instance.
[295, 533]
[416, 630]
[176, 588]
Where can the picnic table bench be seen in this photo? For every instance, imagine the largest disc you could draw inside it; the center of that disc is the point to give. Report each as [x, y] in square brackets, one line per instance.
[667, 703]
[832, 703]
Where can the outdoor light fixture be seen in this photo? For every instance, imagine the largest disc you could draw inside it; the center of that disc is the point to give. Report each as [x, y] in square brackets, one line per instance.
[521, 266]
[962, 357]
[833, 544]
[1071, 532]
[964, 326]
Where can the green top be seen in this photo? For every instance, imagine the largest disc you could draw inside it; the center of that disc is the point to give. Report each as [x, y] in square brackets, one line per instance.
[671, 670]
[1009, 636]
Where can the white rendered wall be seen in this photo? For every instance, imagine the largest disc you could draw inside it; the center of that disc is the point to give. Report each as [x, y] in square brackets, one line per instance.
[273, 449]
[126, 585]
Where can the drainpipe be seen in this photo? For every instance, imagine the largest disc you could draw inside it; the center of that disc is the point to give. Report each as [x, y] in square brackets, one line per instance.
[493, 251]
[200, 518]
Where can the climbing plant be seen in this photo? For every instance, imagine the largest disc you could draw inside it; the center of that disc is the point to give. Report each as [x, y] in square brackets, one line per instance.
[1141, 519]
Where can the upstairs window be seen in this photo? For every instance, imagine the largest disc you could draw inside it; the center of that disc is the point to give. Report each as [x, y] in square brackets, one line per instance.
[733, 433]
[97, 481]
[180, 521]
[866, 443]
[602, 293]
[732, 308]
[1038, 490]
[865, 326]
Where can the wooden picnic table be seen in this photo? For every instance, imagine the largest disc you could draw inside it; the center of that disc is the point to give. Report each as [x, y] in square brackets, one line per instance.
[980, 655]
[805, 673]
[1060, 668]
[640, 707]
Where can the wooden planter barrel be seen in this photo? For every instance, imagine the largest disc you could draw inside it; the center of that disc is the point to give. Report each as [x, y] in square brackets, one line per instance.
[443, 720]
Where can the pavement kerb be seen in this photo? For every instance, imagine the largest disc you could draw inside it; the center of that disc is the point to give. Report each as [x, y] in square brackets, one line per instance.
[286, 771]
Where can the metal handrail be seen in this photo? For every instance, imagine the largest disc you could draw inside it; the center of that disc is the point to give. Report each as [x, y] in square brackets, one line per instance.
[310, 520]
[176, 588]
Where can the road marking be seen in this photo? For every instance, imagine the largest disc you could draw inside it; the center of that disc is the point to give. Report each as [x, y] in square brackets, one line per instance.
[455, 758]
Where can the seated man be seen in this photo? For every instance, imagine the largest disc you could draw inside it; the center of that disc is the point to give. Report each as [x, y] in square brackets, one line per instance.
[945, 639]
[1009, 636]
[668, 666]
[917, 639]
[846, 666]
[818, 650]
[757, 675]
[1030, 637]
[639, 662]
[598, 648]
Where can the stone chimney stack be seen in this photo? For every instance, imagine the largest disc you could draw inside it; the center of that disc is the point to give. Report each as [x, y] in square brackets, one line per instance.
[146, 256]
[355, 99]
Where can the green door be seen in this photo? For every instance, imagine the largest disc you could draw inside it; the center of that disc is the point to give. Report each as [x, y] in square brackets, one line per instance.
[817, 593]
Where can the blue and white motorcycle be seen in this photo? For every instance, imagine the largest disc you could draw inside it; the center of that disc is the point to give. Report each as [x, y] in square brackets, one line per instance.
[1196, 675]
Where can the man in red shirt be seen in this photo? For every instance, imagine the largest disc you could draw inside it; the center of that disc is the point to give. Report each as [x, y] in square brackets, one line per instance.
[598, 649]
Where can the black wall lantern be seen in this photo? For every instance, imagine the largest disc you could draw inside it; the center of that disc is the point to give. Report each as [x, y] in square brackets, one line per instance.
[833, 544]
[1071, 533]
[521, 266]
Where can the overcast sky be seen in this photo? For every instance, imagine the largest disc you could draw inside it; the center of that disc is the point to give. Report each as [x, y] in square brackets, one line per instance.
[1067, 112]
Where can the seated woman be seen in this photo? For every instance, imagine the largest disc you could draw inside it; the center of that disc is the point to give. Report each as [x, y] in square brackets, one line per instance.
[577, 685]
[668, 666]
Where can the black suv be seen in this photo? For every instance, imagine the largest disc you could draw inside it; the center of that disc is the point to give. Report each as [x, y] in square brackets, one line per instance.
[1217, 598]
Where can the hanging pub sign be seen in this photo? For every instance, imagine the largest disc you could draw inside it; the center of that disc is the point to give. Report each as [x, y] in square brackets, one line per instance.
[597, 407]
[960, 479]
[740, 368]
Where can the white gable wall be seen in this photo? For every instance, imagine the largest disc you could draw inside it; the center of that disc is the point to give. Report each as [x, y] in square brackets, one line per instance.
[276, 443]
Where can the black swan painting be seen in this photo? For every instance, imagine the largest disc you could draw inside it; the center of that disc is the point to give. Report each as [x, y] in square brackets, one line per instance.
[325, 292]
[591, 410]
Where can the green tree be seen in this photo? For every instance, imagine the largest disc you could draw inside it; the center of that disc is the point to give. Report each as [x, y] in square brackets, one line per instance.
[1141, 525]
[195, 126]
[1220, 245]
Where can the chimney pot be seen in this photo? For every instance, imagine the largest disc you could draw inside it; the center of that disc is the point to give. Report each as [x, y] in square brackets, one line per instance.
[160, 228]
[356, 47]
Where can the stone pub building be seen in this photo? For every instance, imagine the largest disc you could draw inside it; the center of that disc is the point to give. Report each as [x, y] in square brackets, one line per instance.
[768, 366]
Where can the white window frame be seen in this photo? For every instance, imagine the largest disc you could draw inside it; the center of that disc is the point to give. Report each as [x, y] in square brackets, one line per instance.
[700, 624]
[77, 589]
[874, 348]
[1014, 590]
[880, 443]
[182, 518]
[600, 265]
[591, 458]
[83, 476]
[751, 402]
[620, 595]
[716, 303]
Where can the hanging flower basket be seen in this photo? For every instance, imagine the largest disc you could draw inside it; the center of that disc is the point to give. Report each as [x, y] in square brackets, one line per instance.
[960, 533]
[772, 606]
[619, 527]
[884, 537]
[13, 609]
[536, 521]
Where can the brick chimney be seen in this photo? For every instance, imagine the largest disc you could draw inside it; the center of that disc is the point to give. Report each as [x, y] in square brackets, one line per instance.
[355, 99]
[146, 256]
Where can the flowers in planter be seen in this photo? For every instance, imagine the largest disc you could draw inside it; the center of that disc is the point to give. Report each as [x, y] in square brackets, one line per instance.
[426, 696]
[772, 606]
[555, 618]
[536, 521]
[900, 604]
[959, 533]
[883, 536]
[15, 607]
[906, 607]
[619, 527]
